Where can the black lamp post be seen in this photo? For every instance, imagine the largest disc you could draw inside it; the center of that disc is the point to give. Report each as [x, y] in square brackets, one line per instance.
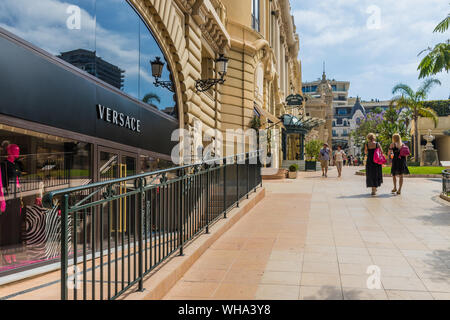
[157, 69]
[206, 84]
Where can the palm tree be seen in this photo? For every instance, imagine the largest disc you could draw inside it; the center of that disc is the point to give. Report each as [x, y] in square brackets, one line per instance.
[414, 101]
[438, 58]
[150, 97]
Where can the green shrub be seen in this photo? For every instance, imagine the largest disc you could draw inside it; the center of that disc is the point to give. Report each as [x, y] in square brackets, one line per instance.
[413, 164]
[255, 123]
[312, 149]
[442, 107]
[293, 168]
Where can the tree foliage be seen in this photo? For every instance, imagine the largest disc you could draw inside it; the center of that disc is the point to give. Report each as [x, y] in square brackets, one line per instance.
[384, 124]
[415, 100]
[438, 58]
[312, 149]
[150, 98]
[442, 107]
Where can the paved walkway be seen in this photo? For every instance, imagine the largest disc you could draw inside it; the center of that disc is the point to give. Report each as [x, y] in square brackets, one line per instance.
[314, 238]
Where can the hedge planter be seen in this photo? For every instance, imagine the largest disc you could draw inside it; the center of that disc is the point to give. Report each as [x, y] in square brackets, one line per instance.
[293, 175]
[311, 166]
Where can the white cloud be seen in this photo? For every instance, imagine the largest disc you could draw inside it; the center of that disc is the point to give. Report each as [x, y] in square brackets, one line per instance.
[336, 32]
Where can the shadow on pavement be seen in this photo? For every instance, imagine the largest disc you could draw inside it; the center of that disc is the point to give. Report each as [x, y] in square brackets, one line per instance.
[438, 217]
[439, 261]
[366, 196]
[325, 293]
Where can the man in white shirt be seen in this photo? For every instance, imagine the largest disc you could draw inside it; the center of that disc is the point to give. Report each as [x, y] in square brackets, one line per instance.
[339, 157]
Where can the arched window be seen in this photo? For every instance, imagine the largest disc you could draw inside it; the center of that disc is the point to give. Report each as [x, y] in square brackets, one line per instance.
[107, 39]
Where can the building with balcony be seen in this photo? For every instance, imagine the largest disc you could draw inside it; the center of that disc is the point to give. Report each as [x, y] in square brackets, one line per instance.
[263, 70]
[339, 89]
[88, 61]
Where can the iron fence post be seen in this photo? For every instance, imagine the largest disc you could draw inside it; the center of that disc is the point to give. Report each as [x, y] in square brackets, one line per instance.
[237, 181]
[141, 247]
[247, 164]
[64, 248]
[255, 165]
[181, 210]
[208, 200]
[225, 190]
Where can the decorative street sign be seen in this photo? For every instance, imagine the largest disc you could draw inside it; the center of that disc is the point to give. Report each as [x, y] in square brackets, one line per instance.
[294, 100]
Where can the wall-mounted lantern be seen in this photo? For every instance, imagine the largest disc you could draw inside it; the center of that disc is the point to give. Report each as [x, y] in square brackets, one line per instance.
[157, 69]
[206, 84]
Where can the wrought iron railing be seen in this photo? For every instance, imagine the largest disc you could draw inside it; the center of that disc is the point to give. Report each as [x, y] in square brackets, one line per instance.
[114, 233]
[446, 182]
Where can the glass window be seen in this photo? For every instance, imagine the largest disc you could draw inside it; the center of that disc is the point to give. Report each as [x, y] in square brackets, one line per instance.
[117, 45]
[293, 146]
[31, 164]
[255, 15]
[53, 25]
[107, 39]
[157, 97]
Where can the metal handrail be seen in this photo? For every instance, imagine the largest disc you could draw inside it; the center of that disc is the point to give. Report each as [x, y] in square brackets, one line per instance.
[133, 225]
[48, 197]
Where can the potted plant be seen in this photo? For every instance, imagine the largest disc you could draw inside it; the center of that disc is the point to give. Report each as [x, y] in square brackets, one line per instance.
[293, 171]
[255, 123]
[312, 150]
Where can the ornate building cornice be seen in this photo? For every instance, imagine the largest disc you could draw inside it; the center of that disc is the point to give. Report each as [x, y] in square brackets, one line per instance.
[210, 23]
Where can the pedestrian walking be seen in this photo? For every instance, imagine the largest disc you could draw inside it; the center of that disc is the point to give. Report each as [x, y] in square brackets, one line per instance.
[339, 157]
[398, 151]
[324, 157]
[374, 171]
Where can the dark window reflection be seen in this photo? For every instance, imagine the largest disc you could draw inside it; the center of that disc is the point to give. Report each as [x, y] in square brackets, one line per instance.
[89, 62]
[157, 97]
[117, 44]
[105, 38]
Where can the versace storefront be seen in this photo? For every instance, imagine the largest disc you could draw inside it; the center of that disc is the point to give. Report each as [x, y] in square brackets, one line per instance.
[77, 105]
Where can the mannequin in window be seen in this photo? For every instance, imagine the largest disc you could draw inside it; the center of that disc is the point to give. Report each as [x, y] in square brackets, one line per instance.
[11, 218]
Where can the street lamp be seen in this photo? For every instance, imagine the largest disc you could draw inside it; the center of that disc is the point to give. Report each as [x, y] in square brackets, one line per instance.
[157, 69]
[206, 84]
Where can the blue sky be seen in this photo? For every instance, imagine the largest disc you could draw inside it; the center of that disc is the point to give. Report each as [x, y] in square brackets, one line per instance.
[373, 51]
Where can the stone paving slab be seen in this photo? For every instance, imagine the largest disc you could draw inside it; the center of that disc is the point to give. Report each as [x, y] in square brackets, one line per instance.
[315, 238]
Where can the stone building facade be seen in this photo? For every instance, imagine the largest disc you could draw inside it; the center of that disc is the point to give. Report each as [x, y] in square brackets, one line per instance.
[263, 65]
[320, 106]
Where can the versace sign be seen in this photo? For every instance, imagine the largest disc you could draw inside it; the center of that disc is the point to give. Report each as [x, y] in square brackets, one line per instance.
[118, 118]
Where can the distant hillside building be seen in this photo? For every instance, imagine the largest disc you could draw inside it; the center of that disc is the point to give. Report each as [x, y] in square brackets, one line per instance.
[88, 61]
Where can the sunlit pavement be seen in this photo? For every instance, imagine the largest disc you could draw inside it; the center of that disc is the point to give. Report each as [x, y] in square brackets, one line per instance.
[328, 238]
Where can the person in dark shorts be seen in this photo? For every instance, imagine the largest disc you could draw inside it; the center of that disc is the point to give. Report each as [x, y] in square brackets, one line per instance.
[399, 166]
[374, 171]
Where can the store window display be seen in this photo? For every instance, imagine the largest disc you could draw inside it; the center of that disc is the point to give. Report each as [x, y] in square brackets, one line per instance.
[32, 163]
